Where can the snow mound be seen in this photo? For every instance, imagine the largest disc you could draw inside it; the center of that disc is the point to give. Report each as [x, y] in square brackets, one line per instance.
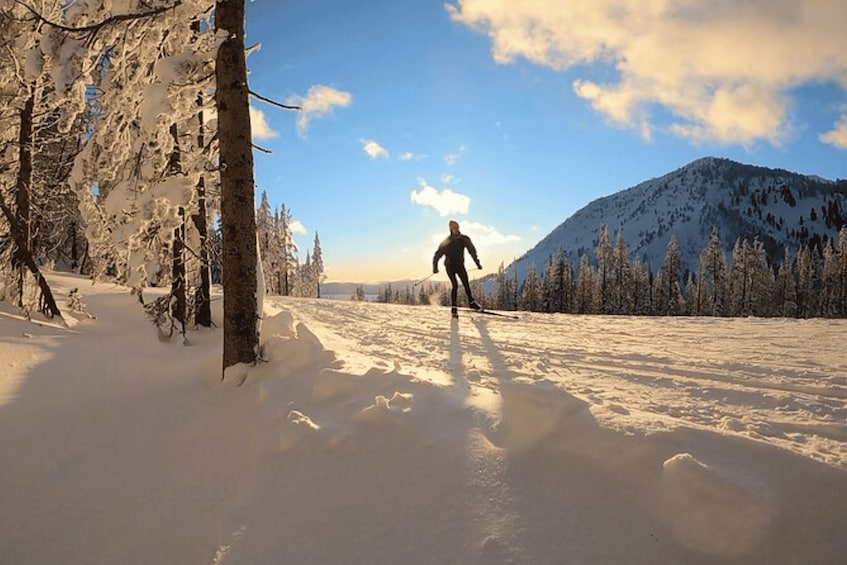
[714, 510]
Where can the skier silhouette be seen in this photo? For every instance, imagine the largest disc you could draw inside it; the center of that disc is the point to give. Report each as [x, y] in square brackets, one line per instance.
[453, 251]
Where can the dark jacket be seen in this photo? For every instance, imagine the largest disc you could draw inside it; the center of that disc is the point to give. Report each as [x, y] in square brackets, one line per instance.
[453, 251]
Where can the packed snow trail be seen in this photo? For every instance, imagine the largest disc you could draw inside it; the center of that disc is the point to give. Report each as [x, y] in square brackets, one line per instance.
[781, 381]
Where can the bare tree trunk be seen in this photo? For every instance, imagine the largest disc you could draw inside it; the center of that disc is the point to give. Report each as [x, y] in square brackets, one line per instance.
[50, 306]
[22, 188]
[178, 309]
[238, 215]
[202, 300]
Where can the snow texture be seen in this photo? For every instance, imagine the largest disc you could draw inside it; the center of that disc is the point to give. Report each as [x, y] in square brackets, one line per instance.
[385, 434]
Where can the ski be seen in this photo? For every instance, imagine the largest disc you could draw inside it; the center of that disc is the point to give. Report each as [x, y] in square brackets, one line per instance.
[490, 313]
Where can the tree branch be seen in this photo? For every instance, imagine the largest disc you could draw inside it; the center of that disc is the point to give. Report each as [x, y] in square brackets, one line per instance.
[96, 27]
[262, 149]
[273, 103]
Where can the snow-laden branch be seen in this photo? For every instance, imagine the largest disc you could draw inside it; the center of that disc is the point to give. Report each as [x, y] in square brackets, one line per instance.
[94, 28]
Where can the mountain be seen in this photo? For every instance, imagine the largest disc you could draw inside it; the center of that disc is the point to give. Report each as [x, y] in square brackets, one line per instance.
[779, 208]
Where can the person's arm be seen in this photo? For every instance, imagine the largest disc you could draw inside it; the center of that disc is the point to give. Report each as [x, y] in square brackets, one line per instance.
[438, 253]
[472, 250]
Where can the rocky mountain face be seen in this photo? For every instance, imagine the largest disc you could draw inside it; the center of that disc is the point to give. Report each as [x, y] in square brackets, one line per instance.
[779, 208]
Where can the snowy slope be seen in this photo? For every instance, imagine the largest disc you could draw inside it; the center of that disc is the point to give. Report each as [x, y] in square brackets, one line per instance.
[385, 434]
[741, 201]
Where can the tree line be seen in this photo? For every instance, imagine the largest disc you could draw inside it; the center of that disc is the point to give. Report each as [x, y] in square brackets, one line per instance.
[811, 282]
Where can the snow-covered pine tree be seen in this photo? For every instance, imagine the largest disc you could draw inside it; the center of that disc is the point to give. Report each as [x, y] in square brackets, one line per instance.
[785, 289]
[318, 267]
[530, 300]
[761, 281]
[621, 278]
[841, 283]
[739, 279]
[828, 306]
[603, 288]
[806, 277]
[584, 299]
[669, 299]
[712, 278]
[505, 290]
[290, 262]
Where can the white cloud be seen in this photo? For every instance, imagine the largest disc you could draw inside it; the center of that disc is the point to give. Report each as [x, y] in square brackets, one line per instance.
[373, 149]
[318, 102]
[298, 227]
[409, 156]
[452, 158]
[838, 136]
[259, 125]
[722, 70]
[486, 236]
[447, 178]
[442, 201]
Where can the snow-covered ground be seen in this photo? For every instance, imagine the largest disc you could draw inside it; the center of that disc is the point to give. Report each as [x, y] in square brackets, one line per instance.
[386, 434]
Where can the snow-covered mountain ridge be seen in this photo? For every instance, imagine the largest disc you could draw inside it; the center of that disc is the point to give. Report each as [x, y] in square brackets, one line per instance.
[779, 208]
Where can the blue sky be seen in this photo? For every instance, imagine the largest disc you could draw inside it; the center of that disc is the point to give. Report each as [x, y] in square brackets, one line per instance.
[508, 119]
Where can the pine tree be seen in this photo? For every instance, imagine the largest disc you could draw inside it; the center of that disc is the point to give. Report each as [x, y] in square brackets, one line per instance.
[828, 306]
[668, 294]
[806, 295]
[238, 222]
[585, 287]
[841, 282]
[603, 289]
[530, 299]
[785, 292]
[621, 279]
[318, 267]
[642, 303]
[713, 278]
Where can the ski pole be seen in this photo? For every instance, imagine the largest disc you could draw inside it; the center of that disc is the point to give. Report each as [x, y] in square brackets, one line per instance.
[423, 280]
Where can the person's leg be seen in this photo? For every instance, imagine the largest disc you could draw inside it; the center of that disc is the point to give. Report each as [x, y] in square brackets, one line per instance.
[454, 290]
[463, 275]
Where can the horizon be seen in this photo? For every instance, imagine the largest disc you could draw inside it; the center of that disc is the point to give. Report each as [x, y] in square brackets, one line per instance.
[419, 113]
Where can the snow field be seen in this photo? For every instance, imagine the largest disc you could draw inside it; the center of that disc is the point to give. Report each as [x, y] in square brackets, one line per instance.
[387, 434]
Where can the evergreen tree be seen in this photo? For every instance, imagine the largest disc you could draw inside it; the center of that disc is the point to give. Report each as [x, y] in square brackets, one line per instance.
[828, 306]
[506, 290]
[621, 279]
[318, 267]
[785, 291]
[642, 303]
[841, 282]
[713, 278]
[806, 275]
[530, 299]
[668, 294]
[585, 287]
[603, 289]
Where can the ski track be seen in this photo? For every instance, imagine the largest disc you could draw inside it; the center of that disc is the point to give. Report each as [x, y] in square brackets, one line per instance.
[774, 391]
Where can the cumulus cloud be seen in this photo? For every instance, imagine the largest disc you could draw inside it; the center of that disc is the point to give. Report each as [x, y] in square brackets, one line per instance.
[442, 201]
[409, 156]
[297, 226]
[838, 136]
[721, 70]
[486, 236]
[373, 149]
[259, 125]
[319, 101]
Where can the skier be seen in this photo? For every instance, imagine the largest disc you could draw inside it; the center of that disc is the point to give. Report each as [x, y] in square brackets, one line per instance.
[453, 250]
